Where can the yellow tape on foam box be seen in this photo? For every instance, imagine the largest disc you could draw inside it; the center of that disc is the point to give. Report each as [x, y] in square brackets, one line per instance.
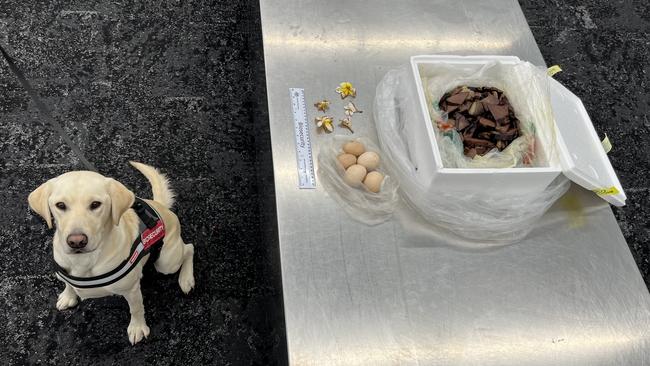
[607, 191]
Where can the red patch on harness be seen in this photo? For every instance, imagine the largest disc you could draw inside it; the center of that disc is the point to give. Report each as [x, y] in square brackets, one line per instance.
[134, 257]
[151, 236]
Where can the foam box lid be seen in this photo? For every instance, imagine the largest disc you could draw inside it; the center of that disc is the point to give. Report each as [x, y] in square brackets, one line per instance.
[582, 156]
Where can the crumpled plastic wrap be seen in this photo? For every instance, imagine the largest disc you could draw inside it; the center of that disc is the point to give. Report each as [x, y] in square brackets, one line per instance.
[475, 216]
[360, 203]
[527, 89]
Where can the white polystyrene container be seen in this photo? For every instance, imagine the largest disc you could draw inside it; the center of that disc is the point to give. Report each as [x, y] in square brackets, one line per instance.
[581, 156]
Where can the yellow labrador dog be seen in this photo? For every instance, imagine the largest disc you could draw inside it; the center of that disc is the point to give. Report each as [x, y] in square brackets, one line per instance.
[95, 230]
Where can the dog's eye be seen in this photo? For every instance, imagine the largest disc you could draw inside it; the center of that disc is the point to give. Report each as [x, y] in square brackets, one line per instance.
[60, 205]
[95, 205]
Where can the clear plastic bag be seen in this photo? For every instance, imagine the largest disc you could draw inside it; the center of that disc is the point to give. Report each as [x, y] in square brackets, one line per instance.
[527, 89]
[360, 203]
[482, 219]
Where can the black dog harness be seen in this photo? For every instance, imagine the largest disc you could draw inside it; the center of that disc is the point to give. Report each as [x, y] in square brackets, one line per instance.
[150, 241]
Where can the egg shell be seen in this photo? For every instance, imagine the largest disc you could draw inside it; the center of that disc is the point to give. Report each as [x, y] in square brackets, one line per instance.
[369, 159]
[354, 175]
[354, 147]
[373, 181]
[346, 160]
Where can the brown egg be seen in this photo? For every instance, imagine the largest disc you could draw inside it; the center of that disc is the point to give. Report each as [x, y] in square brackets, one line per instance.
[373, 181]
[354, 175]
[369, 159]
[346, 160]
[355, 148]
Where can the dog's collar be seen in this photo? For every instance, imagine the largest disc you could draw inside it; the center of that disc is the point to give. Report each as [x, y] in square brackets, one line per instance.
[150, 240]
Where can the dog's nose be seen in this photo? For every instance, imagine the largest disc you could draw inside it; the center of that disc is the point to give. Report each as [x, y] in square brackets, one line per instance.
[77, 241]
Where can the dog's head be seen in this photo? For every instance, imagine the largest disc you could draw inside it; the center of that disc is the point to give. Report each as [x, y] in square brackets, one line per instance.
[85, 206]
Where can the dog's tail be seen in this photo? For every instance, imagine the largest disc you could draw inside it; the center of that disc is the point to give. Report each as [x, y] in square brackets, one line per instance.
[159, 184]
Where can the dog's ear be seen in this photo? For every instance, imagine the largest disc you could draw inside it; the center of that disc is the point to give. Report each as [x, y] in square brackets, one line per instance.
[121, 199]
[38, 201]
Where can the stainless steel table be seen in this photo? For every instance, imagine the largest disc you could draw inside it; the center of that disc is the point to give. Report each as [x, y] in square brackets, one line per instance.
[570, 294]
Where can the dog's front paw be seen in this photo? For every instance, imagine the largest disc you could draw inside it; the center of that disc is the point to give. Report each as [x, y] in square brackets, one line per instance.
[137, 331]
[66, 300]
[186, 282]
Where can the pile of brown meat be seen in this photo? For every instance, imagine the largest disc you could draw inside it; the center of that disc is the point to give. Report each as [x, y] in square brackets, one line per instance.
[482, 116]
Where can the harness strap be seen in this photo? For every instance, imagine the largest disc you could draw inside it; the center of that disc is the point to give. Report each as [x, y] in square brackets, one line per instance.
[150, 241]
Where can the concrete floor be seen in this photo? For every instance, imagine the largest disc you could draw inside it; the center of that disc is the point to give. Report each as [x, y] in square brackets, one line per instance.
[180, 85]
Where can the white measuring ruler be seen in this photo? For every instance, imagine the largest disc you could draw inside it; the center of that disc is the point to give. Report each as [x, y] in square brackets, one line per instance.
[307, 179]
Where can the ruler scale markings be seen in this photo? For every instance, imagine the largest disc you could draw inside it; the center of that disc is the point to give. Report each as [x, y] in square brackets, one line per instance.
[304, 159]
